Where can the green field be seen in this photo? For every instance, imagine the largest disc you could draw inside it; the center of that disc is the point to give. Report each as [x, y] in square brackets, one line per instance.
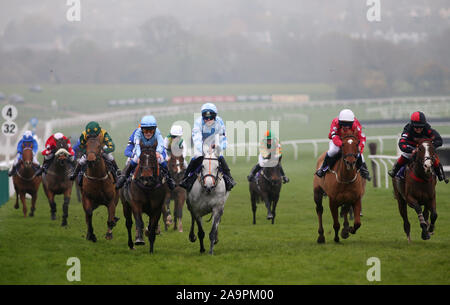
[35, 250]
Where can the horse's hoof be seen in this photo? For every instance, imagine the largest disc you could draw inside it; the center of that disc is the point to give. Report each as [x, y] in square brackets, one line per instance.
[192, 238]
[425, 236]
[64, 223]
[202, 250]
[109, 236]
[31, 214]
[139, 242]
[336, 239]
[321, 240]
[16, 206]
[92, 238]
[270, 216]
[53, 216]
[344, 234]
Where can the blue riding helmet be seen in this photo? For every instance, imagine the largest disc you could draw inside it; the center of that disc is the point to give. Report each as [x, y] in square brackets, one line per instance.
[27, 136]
[148, 121]
[209, 107]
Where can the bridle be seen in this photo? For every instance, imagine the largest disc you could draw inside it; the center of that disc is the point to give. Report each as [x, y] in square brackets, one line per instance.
[215, 178]
[344, 158]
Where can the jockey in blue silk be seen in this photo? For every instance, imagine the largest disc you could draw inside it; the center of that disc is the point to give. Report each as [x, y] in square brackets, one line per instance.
[146, 135]
[27, 138]
[209, 127]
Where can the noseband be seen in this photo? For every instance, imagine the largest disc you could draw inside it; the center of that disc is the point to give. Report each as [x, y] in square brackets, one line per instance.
[215, 178]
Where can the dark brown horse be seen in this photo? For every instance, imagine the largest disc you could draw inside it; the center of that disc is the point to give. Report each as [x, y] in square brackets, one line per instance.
[178, 195]
[25, 180]
[344, 186]
[266, 187]
[418, 189]
[56, 181]
[98, 188]
[144, 194]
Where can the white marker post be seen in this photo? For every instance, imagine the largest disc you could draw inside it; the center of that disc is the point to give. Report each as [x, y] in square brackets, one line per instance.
[9, 128]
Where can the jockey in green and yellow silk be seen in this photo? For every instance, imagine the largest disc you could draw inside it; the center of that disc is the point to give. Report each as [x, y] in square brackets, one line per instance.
[269, 149]
[93, 129]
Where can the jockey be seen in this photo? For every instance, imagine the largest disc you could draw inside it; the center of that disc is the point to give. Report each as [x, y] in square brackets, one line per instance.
[93, 129]
[174, 142]
[26, 138]
[269, 147]
[345, 121]
[146, 135]
[207, 127]
[417, 128]
[50, 149]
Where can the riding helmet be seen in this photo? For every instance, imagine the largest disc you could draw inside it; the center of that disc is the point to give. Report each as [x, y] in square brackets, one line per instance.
[148, 121]
[418, 119]
[93, 128]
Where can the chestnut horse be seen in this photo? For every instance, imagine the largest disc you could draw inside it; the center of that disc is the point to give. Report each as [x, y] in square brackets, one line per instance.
[266, 186]
[178, 195]
[98, 188]
[418, 188]
[56, 181]
[344, 186]
[25, 180]
[145, 193]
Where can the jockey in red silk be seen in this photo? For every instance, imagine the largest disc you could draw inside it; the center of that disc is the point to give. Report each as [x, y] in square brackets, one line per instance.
[49, 151]
[417, 128]
[346, 120]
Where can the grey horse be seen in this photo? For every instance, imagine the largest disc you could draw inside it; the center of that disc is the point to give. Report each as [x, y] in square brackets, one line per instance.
[208, 195]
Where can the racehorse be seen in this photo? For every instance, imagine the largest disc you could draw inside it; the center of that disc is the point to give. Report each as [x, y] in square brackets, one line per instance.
[344, 186]
[266, 186]
[56, 181]
[25, 180]
[98, 188]
[208, 195]
[418, 188]
[178, 195]
[145, 193]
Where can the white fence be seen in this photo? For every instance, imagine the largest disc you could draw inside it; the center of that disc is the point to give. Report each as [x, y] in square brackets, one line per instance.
[381, 159]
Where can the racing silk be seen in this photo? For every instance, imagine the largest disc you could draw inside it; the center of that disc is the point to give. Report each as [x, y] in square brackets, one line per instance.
[407, 143]
[139, 140]
[130, 146]
[105, 139]
[50, 145]
[169, 141]
[336, 131]
[273, 151]
[201, 132]
[19, 146]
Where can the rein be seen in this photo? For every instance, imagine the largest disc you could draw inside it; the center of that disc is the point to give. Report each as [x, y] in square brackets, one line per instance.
[345, 182]
[215, 178]
[26, 179]
[96, 178]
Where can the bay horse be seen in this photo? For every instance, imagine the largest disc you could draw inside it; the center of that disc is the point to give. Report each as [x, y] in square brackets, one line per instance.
[266, 187]
[56, 180]
[144, 194]
[25, 180]
[98, 188]
[178, 195]
[208, 195]
[343, 185]
[418, 189]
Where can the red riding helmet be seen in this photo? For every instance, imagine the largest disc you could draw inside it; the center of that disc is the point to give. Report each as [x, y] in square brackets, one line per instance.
[418, 119]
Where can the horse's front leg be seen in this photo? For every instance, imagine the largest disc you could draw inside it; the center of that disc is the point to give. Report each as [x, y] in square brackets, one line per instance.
[128, 222]
[268, 204]
[213, 235]
[67, 195]
[89, 210]
[154, 219]
[433, 217]
[23, 199]
[345, 232]
[335, 213]
[357, 216]
[423, 224]
[318, 197]
[139, 240]
[111, 220]
[33, 204]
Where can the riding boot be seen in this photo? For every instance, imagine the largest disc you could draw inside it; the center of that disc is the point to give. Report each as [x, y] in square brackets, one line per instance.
[75, 172]
[229, 182]
[363, 170]
[13, 170]
[124, 176]
[326, 163]
[253, 172]
[170, 182]
[189, 175]
[283, 176]
[393, 172]
[44, 167]
[439, 170]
